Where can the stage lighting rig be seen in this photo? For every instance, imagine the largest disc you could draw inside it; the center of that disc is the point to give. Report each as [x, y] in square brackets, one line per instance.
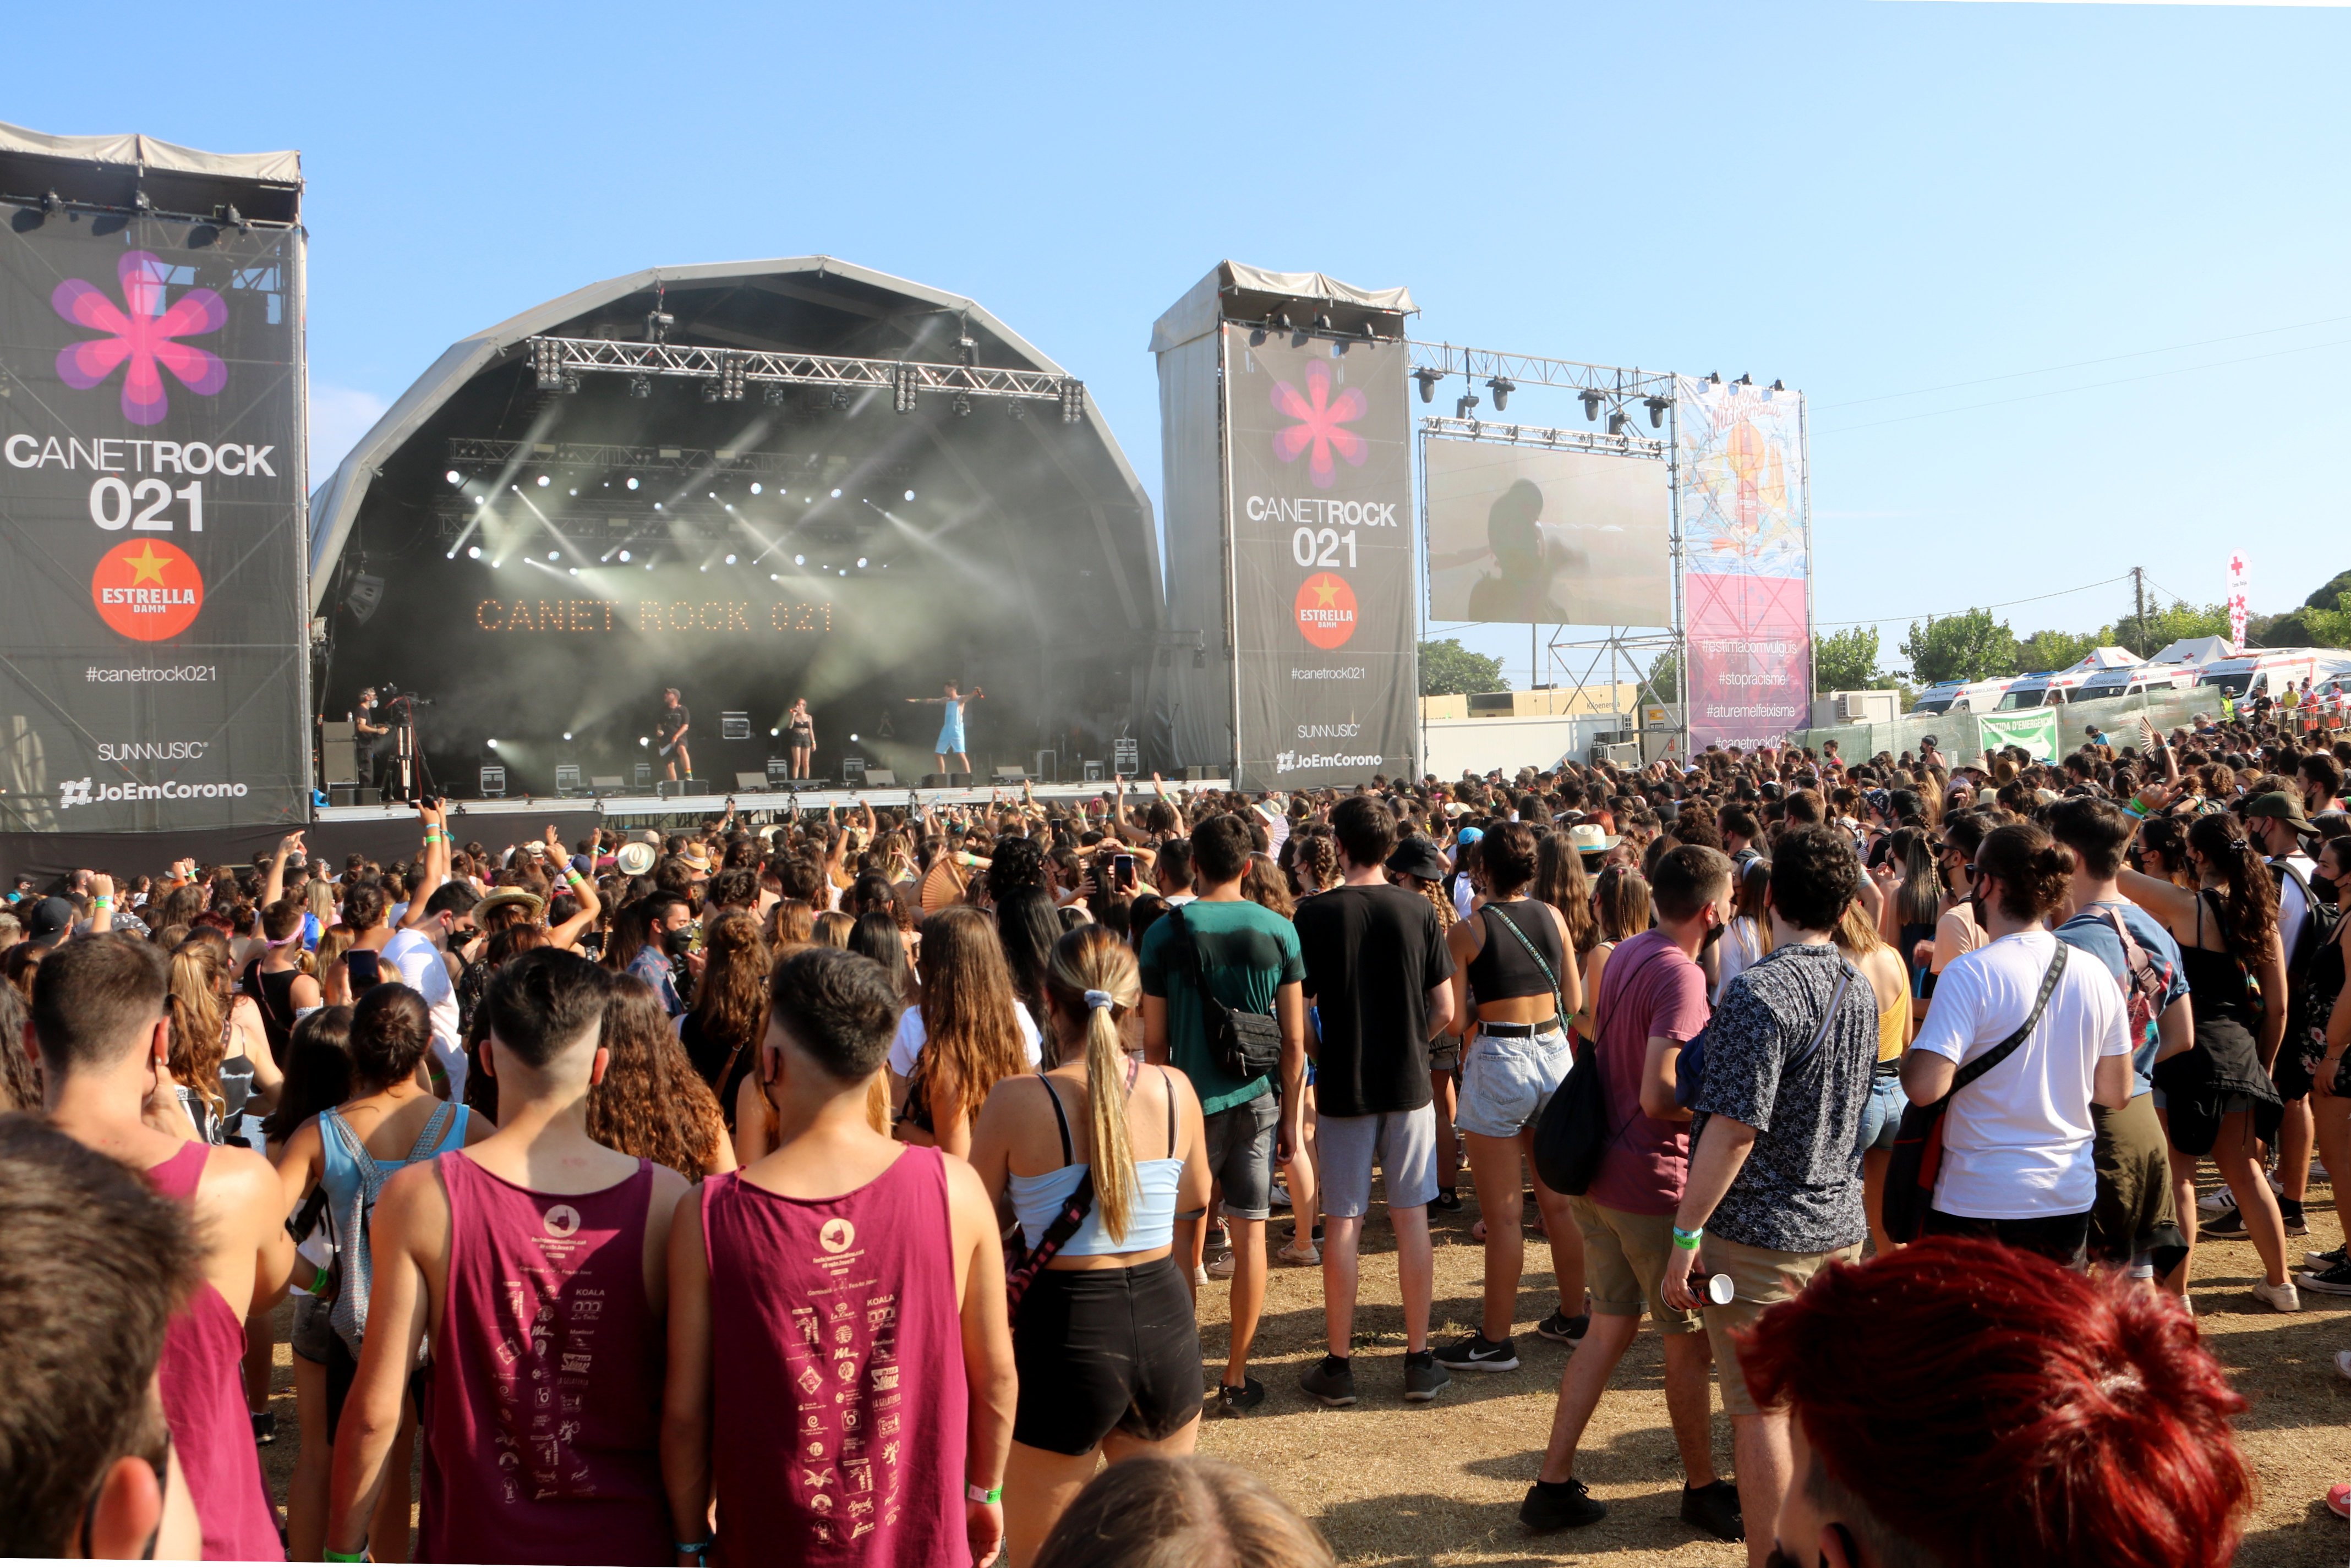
[641, 386]
[1073, 401]
[1463, 404]
[1428, 378]
[839, 401]
[1656, 407]
[658, 321]
[1617, 420]
[1591, 405]
[905, 394]
[1502, 388]
[1744, 381]
[730, 378]
[963, 405]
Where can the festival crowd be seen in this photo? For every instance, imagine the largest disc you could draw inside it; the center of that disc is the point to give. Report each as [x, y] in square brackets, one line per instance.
[843, 1190]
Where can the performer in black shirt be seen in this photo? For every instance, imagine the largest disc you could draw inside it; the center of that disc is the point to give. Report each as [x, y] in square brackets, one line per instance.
[669, 732]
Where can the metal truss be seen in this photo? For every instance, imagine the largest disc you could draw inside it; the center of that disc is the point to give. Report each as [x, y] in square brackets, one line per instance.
[1534, 370]
[484, 453]
[1564, 440]
[559, 361]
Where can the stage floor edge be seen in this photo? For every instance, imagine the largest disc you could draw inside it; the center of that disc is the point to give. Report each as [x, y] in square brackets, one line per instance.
[703, 806]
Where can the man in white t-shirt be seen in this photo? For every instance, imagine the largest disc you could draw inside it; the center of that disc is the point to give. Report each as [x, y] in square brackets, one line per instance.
[2017, 1141]
[420, 952]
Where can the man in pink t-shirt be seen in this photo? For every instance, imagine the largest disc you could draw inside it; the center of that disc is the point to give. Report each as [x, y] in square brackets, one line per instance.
[1652, 1003]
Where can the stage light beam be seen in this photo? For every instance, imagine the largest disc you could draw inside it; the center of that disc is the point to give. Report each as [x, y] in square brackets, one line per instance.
[454, 477]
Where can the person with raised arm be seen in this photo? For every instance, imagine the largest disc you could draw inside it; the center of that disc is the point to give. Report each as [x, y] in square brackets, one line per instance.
[950, 741]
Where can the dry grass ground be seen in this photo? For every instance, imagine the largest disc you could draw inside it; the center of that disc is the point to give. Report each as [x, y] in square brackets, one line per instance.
[1395, 1483]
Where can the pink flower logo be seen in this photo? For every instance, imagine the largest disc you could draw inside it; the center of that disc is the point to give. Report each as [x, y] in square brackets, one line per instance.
[142, 332]
[1321, 424]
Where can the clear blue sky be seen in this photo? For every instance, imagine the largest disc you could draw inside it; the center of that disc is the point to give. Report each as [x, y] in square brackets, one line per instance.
[1868, 199]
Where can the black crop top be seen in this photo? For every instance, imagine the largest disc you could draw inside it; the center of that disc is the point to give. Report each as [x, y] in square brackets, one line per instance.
[1503, 968]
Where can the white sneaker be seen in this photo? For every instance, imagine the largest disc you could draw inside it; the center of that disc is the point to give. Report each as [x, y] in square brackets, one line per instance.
[2213, 1203]
[1221, 1266]
[2285, 1297]
[2343, 1361]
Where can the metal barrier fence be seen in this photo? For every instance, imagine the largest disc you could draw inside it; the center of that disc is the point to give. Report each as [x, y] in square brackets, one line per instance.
[1959, 736]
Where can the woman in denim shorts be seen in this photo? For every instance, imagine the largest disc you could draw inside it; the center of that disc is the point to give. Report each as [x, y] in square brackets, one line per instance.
[1515, 957]
[1859, 939]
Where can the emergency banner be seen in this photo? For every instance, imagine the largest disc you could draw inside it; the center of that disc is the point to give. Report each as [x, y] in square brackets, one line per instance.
[1747, 563]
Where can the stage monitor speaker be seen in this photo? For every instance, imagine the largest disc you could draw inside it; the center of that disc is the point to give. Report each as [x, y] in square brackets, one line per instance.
[852, 771]
[673, 789]
[1092, 769]
[780, 774]
[494, 782]
[734, 726]
[1008, 774]
[1194, 773]
[351, 794]
[643, 778]
[881, 778]
[604, 783]
[746, 784]
[947, 781]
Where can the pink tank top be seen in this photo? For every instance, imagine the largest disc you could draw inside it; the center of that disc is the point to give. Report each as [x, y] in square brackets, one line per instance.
[204, 1403]
[541, 1411]
[838, 1408]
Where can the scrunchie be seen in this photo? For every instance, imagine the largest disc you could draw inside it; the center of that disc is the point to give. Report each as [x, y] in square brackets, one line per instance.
[1098, 999]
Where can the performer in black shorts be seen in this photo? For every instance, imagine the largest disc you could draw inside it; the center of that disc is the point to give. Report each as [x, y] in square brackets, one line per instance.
[669, 733]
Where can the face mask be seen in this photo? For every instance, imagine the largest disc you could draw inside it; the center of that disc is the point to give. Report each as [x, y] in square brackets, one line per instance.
[678, 942]
[1713, 935]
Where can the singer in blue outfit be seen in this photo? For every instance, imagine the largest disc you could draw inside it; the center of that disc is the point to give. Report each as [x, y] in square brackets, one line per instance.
[951, 727]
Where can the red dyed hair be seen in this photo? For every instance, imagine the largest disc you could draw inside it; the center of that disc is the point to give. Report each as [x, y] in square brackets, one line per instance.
[1993, 1409]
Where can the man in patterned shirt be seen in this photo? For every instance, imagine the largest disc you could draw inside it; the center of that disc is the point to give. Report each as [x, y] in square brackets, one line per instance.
[1774, 1187]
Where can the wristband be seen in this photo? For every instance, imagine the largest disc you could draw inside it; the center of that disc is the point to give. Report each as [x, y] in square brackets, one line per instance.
[333, 1556]
[103, 902]
[979, 1493]
[693, 1548]
[1688, 1240]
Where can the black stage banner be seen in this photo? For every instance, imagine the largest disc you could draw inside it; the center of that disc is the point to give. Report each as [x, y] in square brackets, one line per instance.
[1319, 491]
[151, 658]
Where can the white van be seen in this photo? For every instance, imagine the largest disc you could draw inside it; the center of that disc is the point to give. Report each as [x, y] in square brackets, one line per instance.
[2268, 671]
[1963, 696]
[2145, 680]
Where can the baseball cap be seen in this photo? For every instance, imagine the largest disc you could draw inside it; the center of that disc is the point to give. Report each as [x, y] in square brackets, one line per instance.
[49, 920]
[2277, 803]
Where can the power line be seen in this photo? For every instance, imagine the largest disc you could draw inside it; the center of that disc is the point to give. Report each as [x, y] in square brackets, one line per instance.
[2004, 604]
[2080, 364]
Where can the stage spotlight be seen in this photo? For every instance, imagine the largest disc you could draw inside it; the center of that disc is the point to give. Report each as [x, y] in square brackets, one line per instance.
[836, 495]
[1015, 410]
[481, 501]
[754, 487]
[1428, 378]
[1322, 321]
[1714, 378]
[649, 566]
[1617, 420]
[453, 555]
[624, 556]
[1658, 406]
[555, 554]
[905, 388]
[1073, 401]
[963, 405]
[775, 576]
[575, 571]
[1744, 381]
[799, 560]
[644, 739]
[840, 399]
[1778, 384]
[844, 571]
[966, 352]
[641, 386]
[633, 482]
[474, 553]
[910, 495]
[544, 481]
[853, 735]
[1502, 388]
[495, 565]
[704, 566]
[492, 745]
[774, 393]
[456, 478]
[1279, 319]
[1591, 405]
[730, 560]
[1463, 404]
[567, 735]
[860, 563]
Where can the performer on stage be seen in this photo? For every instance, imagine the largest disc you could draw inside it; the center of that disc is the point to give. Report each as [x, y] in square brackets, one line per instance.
[374, 733]
[799, 739]
[669, 733]
[951, 727]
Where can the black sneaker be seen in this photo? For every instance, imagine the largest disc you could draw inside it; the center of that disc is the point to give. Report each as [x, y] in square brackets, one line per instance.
[1475, 1352]
[1423, 1379]
[1447, 1199]
[265, 1427]
[2328, 1260]
[1714, 1508]
[2330, 1282]
[1240, 1401]
[1564, 1329]
[1331, 1380]
[1560, 1505]
[2226, 1226]
[2296, 1225]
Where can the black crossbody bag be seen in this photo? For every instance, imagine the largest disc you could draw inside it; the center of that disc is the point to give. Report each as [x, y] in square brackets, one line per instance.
[1245, 1044]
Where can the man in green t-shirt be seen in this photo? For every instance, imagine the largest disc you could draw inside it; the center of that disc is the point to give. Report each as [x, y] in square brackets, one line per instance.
[1249, 961]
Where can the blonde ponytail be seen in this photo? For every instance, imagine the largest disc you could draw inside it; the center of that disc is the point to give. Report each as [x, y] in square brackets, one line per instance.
[1094, 974]
[199, 1023]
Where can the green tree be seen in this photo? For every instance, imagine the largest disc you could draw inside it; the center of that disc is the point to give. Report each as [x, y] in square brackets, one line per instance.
[1662, 682]
[2330, 627]
[1846, 660]
[1970, 646]
[1447, 668]
[2163, 626]
[2059, 650]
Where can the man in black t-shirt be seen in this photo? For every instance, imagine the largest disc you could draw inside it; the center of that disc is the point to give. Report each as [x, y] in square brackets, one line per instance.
[669, 734]
[1376, 969]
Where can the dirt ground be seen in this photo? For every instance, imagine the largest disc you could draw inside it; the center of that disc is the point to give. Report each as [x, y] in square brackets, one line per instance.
[1395, 1483]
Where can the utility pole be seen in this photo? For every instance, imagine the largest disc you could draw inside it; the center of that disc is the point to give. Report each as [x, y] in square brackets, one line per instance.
[2138, 592]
